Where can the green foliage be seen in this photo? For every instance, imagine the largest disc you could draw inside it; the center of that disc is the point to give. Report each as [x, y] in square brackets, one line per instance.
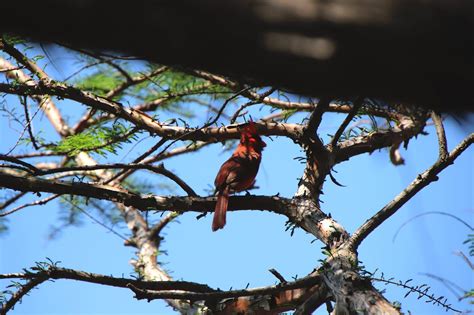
[470, 295]
[13, 39]
[470, 242]
[3, 225]
[99, 139]
[287, 113]
[99, 82]
[174, 88]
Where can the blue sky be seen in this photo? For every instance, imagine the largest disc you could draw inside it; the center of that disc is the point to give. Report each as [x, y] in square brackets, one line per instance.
[254, 241]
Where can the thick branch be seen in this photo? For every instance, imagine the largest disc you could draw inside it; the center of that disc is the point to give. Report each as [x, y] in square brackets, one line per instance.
[142, 120]
[164, 289]
[407, 128]
[149, 202]
[219, 295]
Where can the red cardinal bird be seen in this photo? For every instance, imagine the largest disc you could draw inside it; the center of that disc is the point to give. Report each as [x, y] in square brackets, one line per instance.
[237, 173]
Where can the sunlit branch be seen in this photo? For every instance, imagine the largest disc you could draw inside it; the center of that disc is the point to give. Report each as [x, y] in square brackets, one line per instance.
[142, 120]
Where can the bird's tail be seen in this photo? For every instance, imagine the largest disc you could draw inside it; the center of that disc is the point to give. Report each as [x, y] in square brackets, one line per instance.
[218, 221]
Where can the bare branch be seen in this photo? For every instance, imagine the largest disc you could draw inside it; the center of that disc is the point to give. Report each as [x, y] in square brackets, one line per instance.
[164, 289]
[157, 228]
[53, 272]
[357, 104]
[87, 214]
[29, 123]
[22, 291]
[160, 169]
[466, 259]
[219, 295]
[35, 154]
[422, 180]
[142, 120]
[258, 100]
[317, 115]
[277, 275]
[149, 202]
[430, 213]
[31, 204]
[443, 147]
[285, 105]
[31, 168]
[12, 200]
[316, 299]
[408, 127]
[29, 64]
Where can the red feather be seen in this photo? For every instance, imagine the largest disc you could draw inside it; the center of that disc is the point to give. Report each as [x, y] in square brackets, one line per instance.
[238, 172]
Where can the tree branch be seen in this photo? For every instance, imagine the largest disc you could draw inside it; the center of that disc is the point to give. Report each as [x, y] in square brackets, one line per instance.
[142, 120]
[162, 289]
[160, 169]
[443, 146]
[357, 104]
[22, 291]
[145, 202]
[407, 128]
[422, 180]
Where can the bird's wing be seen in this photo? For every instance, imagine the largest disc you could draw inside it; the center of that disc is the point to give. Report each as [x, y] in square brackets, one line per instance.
[236, 171]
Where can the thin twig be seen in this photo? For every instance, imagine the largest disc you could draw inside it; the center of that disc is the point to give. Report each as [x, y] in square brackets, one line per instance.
[355, 108]
[31, 204]
[451, 286]
[429, 213]
[258, 100]
[466, 259]
[12, 200]
[157, 228]
[133, 81]
[210, 123]
[278, 275]
[160, 169]
[139, 158]
[420, 291]
[95, 220]
[29, 123]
